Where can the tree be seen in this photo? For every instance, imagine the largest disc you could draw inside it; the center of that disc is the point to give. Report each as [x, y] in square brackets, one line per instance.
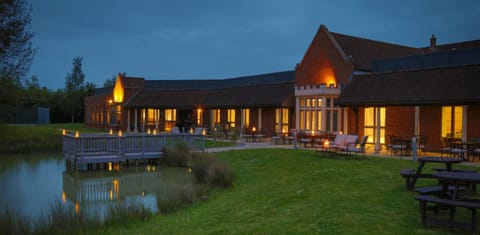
[16, 51]
[110, 82]
[74, 88]
[76, 78]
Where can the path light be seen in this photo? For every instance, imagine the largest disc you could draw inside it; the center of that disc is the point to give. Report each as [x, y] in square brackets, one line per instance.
[119, 132]
[110, 131]
[64, 197]
[148, 131]
[326, 143]
[191, 130]
[154, 131]
[77, 134]
[189, 170]
[64, 132]
[204, 132]
[77, 208]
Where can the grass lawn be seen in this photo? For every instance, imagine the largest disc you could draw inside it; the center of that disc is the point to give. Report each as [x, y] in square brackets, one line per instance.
[24, 138]
[280, 191]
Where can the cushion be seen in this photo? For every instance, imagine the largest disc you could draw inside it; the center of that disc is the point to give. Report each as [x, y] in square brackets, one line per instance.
[351, 139]
[340, 140]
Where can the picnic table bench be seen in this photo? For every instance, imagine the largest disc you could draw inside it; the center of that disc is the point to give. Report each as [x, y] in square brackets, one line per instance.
[452, 205]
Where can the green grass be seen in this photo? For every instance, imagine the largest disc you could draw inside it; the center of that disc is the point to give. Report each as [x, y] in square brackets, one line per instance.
[218, 144]
[26, 138]
[279, 191]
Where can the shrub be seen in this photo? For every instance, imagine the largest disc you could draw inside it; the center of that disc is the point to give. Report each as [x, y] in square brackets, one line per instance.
[174, 198]
[177, 156]
[210, 170]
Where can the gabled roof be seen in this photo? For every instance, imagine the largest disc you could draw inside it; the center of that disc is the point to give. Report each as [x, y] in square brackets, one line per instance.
[268, 95]
[254, 80]
[365, 51]
[459, 85]
[454, 46]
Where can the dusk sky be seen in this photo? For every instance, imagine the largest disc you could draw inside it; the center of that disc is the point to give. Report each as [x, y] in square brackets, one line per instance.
[191, 39]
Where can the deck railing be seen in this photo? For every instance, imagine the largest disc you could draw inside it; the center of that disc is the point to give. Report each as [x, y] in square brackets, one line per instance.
[101, 148]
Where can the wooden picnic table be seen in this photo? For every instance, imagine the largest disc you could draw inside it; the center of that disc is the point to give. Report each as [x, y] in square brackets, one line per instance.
[456, 179]
[448, 161]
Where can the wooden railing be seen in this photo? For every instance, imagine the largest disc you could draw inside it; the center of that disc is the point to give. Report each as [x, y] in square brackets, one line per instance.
[102, 148]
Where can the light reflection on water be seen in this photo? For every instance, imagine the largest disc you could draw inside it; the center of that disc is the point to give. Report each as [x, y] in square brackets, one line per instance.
[31, 188]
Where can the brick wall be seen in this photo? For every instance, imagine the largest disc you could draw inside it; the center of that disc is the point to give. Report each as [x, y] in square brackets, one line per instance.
[322, 63]
[400, 121]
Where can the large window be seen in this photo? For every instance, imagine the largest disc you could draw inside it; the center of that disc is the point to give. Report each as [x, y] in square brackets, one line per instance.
[281, 120]
[199, 117]
[231, 117]
[370, 124]
[170, 118]
[215, 114]
[452, 117]
[314, 109]
[246, 118]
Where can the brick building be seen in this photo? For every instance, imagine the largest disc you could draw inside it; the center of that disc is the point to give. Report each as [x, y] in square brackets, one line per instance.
[342, 84]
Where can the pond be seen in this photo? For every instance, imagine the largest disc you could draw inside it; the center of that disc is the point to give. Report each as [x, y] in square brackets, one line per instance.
[32, 183]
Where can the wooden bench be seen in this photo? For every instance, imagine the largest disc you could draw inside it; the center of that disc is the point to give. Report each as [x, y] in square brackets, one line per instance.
[454, 170]
[452, 205]
[408, 174]
[436, 190]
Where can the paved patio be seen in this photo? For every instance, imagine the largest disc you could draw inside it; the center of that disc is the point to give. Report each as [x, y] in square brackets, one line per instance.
[369, 150]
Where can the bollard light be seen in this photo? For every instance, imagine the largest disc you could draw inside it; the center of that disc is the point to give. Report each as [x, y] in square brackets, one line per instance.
[64, 132]
[119, 132]
[110, 131]
[77, 134]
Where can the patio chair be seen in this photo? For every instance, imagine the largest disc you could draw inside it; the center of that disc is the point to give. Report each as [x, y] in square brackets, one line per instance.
[357, 148]
[421, 141]
[444, 146]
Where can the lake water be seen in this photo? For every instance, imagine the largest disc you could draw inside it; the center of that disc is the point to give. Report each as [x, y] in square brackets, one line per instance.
[32, 184]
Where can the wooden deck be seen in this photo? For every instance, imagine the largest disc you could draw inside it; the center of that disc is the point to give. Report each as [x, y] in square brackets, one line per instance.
[105, 148]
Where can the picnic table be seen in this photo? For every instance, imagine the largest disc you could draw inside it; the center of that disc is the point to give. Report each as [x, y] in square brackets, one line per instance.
[412, 176]
[456, 179]
[452, 201]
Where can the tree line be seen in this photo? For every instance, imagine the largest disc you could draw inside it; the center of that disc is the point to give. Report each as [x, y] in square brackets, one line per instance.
[16, 57]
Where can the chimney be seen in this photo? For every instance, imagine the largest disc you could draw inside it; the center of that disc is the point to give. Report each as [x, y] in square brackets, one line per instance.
[433, 41]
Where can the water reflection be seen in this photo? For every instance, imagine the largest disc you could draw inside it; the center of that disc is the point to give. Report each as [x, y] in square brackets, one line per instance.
[31, 187]
[96, 191]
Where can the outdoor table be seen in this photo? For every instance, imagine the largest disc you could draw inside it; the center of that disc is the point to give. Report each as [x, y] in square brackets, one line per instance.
[448, 161]
[456, 179]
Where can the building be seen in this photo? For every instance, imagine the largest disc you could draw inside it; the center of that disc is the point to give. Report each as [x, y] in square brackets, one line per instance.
[342, 84]
[264, 103]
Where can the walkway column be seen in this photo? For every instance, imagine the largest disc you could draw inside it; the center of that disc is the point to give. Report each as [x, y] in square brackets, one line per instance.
[259, 119]
[157, 118]
[417, 121]
[377, 130]
[324, 114]
[297, 113]
[128, 120]
[464, 123]
[136, 122]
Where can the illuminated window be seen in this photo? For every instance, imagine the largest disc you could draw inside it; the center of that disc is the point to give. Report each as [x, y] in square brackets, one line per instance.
[215, 117]
[452, 117]
[302, 120]
[151, 116]
[246, 117]
[281, 121]
[231, 117]
[199, 117]
[370, 124]
[170, 118]
[308, 103]
[302, 103]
